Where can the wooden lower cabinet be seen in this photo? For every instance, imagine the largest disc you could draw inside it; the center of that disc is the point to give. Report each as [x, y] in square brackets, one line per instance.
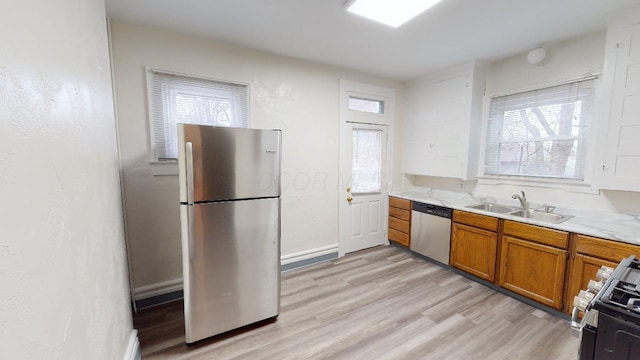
[589, 255]
[474, 250]
[400, 221]
[533, 270]
[584, 268]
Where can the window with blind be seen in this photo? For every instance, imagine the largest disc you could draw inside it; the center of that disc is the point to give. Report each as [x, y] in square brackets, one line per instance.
[177, 99]
[542, 133]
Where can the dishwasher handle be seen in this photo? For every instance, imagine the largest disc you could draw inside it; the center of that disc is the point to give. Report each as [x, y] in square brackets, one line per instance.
[432, 209]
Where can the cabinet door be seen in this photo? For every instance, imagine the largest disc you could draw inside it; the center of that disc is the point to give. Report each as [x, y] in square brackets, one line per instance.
[621, 170]
[584, 269]
[440, 113]
[474, 250]
[533, 270]
[449, 125]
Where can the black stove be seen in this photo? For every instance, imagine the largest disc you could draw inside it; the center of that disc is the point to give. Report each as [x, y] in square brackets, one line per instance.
[611, 324]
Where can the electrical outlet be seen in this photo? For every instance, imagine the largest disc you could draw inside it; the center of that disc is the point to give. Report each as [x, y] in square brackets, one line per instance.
[461, 185]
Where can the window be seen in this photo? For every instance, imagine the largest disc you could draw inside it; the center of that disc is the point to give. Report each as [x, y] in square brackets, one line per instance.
[367, 161]
[183, 99]
[366, 105]
[542, 133]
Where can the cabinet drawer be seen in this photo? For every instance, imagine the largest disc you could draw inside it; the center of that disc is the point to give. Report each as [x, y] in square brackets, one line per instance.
[400, 213]
[399, 237]
[555, 238]
[400, 203]
[399, 224]
[605, 249]
[475, 220]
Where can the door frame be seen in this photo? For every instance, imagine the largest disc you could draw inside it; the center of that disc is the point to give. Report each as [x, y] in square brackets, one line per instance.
[347, 118]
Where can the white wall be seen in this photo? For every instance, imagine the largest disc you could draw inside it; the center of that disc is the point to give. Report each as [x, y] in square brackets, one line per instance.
[565, 60]
[299, 97]
[63, 270]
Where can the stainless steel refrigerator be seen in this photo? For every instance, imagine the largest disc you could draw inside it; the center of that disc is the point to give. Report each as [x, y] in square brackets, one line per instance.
[230, 216]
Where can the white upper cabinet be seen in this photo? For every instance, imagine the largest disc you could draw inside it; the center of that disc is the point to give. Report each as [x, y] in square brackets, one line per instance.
[620, 165]
[443, 123]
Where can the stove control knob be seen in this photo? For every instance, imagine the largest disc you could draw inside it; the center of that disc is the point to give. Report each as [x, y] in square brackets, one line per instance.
[580, 303]
[582, 300]
[604, 273]
[595, 286]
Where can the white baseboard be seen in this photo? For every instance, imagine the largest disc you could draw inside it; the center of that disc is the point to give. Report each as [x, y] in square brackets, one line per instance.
[133, 348]
[309, 254]
[165, 287]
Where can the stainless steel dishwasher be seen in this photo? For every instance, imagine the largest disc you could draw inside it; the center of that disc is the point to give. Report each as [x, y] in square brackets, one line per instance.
[431, 231]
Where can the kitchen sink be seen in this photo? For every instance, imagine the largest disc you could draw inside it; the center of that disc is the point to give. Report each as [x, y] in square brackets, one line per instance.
[541, 216]
[496, 208]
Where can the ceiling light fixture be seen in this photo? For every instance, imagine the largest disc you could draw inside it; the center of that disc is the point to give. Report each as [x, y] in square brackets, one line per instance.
[390, 12]
[536, 55]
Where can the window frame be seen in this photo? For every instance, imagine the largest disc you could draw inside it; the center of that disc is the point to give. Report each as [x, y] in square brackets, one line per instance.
[161, 167]
[573, 185]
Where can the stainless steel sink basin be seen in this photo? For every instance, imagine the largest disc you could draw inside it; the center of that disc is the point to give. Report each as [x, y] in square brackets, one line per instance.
[496, 208]
[541, 216]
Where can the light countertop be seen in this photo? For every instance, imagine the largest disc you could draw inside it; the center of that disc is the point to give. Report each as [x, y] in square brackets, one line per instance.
[606, 225]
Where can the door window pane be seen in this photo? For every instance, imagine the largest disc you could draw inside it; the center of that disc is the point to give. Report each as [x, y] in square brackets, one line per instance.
[367, 161]
[366, 105]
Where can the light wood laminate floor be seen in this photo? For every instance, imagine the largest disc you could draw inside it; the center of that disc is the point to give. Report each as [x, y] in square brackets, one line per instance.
[381, 303]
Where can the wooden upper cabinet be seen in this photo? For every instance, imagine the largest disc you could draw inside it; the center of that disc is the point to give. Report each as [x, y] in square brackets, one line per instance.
[400, 221]
[533, 270]
[474, 250]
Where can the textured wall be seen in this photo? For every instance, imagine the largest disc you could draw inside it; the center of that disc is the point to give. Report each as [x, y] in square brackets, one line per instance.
[63, 269]
[299, 97]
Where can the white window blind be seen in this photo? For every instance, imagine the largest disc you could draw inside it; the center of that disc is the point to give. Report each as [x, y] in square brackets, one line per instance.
[177, 99]
[542, 133]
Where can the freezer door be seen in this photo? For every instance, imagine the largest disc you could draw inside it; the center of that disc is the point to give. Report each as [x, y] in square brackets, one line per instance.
[231, 265]
[222, 163]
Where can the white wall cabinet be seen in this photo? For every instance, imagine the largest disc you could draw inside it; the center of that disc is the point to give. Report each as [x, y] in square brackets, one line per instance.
[442, 124]
[620, 163]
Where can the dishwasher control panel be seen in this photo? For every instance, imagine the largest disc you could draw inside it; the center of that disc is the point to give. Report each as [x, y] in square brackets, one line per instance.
[432, 209]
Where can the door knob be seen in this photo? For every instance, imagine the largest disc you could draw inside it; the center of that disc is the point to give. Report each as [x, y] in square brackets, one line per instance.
[349, 198]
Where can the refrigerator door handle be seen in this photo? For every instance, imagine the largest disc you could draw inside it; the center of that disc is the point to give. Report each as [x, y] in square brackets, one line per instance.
[189, 162]
[191, 235]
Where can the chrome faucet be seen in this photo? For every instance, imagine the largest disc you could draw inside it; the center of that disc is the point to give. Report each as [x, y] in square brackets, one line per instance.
[522, 198]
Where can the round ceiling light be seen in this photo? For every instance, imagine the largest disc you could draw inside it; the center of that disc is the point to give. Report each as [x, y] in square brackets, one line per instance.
[536, 55]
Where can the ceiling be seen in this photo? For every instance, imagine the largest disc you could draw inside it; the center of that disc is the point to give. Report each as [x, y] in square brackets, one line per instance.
[452, 32]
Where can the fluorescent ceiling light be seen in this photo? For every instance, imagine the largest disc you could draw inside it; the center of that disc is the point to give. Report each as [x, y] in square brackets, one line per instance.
[391, 12]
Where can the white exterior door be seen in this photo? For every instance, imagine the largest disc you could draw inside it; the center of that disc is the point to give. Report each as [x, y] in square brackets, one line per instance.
[365, 124]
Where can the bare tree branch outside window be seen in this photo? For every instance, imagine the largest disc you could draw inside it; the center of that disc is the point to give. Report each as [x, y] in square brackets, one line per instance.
[541, 133]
